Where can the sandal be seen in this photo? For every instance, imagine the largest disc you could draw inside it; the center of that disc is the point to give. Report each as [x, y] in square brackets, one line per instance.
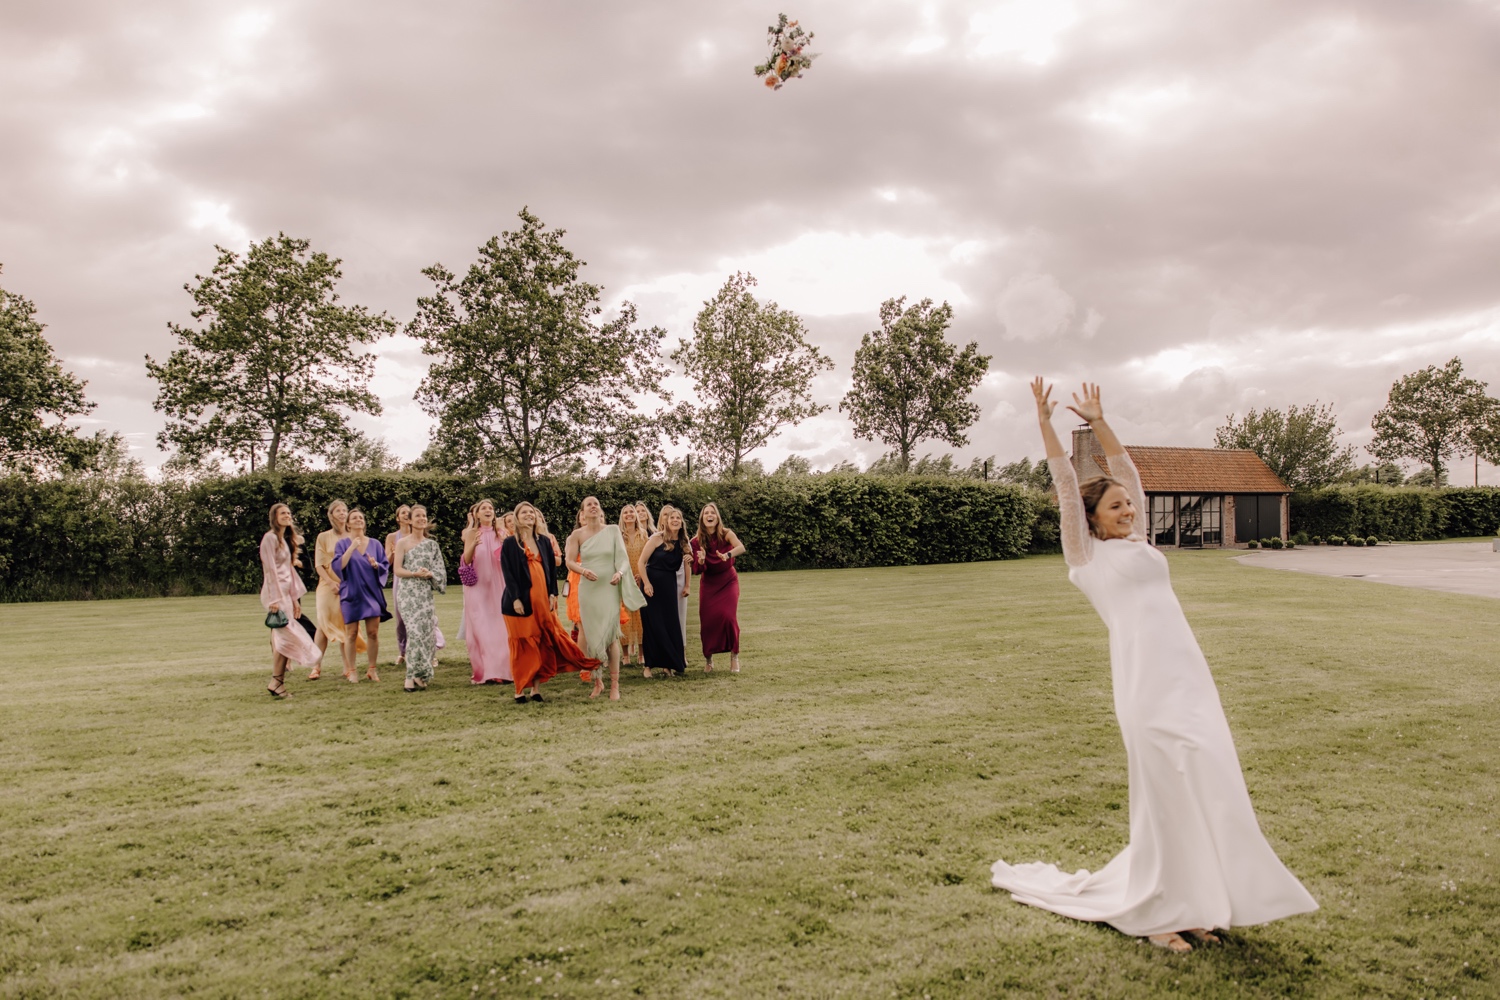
[1203, 935]
[370, 675]
[316, 673]
[1170, 942]
[277, 689]
[646, 672]
[410, 687]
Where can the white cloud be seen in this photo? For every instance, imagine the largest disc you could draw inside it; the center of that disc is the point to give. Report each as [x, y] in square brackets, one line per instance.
[1029, 30]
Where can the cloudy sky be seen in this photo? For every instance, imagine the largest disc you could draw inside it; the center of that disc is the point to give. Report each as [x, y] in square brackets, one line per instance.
[1206, 207]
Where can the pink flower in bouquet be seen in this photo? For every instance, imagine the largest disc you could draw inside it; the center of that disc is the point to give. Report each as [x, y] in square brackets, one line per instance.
[773, 81]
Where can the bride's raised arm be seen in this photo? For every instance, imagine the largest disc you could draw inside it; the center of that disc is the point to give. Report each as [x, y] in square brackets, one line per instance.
[1091, 409]
[1077, 542]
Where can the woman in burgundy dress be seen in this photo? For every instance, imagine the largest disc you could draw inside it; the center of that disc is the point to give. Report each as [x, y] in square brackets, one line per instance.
[714, 549]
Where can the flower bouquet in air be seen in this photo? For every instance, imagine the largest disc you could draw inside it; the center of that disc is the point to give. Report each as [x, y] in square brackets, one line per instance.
[788, 57]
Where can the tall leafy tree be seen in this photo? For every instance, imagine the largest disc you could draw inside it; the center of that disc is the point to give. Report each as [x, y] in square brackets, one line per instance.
[753, 367]
[37, 397]
[525, 376]
[910, 383]
[1431, 416]
[1300, 443]
[275, 366]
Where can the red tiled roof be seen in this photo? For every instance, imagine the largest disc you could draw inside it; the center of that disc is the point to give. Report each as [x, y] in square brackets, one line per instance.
[1203, 470]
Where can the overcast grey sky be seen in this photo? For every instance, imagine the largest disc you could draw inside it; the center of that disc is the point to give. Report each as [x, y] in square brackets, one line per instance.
[1205, 207]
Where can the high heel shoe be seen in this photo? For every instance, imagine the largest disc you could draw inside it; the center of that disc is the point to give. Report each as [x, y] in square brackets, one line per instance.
[277, 689]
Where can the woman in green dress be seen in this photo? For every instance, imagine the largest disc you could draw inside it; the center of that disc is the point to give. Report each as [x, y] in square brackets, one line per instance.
[418, 564]
[606, 582]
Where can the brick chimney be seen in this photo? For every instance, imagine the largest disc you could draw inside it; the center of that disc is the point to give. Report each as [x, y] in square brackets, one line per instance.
[1088, 454]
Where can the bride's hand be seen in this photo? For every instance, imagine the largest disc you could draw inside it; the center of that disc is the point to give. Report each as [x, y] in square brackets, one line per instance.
[1089, 407]
[1044, 405]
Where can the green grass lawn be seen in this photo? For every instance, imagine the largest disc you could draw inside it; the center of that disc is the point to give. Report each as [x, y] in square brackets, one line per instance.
[819, 825]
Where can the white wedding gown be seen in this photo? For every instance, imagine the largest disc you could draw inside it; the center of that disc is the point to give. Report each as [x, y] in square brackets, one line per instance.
[1196, 856]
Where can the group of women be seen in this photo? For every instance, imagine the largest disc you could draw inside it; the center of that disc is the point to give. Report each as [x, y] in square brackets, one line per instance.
[627, 590]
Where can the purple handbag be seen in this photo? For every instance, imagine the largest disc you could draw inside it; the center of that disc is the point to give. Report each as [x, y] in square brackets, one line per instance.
[467, 575]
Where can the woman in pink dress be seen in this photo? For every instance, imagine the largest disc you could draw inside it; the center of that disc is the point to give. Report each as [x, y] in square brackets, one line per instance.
[281, 590]
[484, 621]
[714, 549]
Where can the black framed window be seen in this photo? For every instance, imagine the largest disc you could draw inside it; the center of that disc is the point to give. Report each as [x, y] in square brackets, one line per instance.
[1163, 520]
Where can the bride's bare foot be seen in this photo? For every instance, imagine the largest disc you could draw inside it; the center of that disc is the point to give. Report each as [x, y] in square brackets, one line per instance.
[646, 672]
[1203, 935]
[1171, 942]
[598, 688]
[614, 692]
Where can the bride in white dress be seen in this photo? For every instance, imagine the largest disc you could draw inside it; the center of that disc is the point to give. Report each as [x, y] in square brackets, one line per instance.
[1196, 858]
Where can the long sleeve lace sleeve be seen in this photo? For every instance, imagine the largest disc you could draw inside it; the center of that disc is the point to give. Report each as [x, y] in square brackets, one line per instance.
[1077, 542]
[1123, 469]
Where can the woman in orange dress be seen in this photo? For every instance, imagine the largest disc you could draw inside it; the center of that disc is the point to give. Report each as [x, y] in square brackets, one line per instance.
[539, 648]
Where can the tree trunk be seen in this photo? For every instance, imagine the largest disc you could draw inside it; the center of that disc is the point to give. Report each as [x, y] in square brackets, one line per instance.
[272, 450]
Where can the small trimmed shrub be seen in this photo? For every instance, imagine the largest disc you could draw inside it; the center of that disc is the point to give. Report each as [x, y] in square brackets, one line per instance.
[1299, 538]
[1252, 544]
[1372, 540]
[1291, 543]
[1335, 539]
[1276, 543]
[1317, 540]
[1356, 542]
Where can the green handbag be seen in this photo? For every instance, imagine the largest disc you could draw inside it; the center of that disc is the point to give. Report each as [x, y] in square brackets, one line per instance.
[276, 619]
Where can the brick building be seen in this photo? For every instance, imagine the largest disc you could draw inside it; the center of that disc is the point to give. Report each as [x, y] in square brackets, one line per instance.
[1199, 497]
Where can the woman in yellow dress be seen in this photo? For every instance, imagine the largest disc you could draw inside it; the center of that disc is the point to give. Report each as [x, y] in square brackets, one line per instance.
[635, 536]
[327, 615]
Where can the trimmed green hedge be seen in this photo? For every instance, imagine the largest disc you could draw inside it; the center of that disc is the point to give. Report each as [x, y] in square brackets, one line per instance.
[89, 538]
[1397, 512]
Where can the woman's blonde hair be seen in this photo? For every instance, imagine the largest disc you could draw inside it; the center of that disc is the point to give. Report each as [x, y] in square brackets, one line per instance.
[650, 521]
[516, 513]
[635, 527]
[328, 511]
[681, 538]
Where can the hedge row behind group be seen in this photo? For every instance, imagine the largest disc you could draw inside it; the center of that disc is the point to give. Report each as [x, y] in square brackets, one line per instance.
[96, 538]
[93, 538]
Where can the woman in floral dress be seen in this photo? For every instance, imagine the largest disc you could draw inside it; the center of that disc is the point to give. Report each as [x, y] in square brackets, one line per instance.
[418, 564]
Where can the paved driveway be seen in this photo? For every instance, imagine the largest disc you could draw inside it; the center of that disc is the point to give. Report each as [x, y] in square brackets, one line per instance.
[1458, 567]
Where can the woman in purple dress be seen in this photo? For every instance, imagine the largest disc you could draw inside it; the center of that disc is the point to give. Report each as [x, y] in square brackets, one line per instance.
[361, 564]
[714, 549]
[281, 589]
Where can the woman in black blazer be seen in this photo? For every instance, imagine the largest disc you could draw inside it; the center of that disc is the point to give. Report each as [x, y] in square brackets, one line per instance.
[539, 648]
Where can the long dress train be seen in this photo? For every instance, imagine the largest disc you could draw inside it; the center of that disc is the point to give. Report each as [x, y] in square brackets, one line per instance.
[1196, 857]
